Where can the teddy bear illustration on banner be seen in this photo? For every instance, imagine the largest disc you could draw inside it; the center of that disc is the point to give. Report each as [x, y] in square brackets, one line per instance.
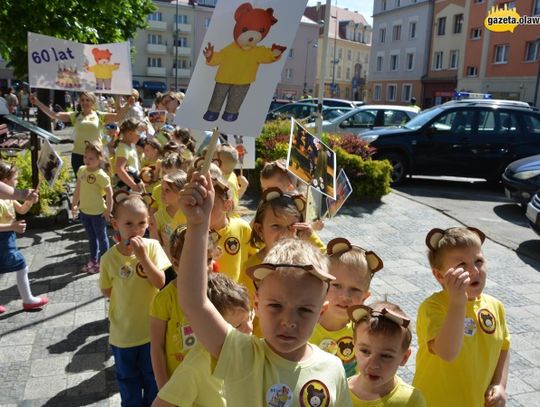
[239, 61]
[103, 69]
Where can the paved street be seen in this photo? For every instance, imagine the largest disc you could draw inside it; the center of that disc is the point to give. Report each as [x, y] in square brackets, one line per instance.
[60, 357]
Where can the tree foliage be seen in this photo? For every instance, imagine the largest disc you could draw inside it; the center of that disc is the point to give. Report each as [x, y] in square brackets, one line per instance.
[86, 21]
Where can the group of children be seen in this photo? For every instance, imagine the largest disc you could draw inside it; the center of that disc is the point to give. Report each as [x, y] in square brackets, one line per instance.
[207, 309]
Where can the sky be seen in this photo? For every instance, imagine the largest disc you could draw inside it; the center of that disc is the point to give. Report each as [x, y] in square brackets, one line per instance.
[364, 7]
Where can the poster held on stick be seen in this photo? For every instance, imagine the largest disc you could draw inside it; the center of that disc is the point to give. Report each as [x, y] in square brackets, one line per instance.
[343, 191]
[49, 163]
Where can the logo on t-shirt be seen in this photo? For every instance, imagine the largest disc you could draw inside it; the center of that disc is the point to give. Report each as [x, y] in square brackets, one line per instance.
[345, 349]
[232, 245]
[140, 271]
[279, 395]
[91, 178]
[470, 327]
[125, 271]
[329, 346]
[314, 394]
[189, 340]
[487, 321]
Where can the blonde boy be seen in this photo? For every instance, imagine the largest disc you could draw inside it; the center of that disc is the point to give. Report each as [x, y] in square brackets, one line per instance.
[352, 268]
[463, 340]
[283, 369]
[382, 338]
[228, 158]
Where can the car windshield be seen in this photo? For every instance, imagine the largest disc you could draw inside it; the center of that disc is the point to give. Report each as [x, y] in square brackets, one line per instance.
[332, 114]
[422, 118]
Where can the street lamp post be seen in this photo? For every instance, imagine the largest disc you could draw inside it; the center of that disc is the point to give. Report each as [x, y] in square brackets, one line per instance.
[305, 67]
[334, 60]
[176, 49]
[538, 74]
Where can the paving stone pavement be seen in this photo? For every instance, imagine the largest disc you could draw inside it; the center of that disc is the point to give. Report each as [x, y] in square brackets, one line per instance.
[60, 356]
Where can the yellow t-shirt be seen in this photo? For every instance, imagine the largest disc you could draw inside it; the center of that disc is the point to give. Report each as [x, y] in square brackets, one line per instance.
[7, 212]
[103, 71]
[238, 66]
[316, 241]
[338, 343]
[131, 295]
[179, 219]
[179, 337]
[164, 224]
[402, 395]
[156, 194]
[129, 152]
[232, 180]
[93, 185]
[192, 383]
[255, 376]
[245, 280]
[235, 247]
[86, 128]
[463, 381]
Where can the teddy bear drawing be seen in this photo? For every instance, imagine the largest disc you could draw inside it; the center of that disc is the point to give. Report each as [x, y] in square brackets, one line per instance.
[239, 61]
[103, 69]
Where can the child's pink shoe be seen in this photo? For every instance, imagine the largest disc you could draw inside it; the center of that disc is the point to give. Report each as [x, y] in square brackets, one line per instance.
[94, 269]
[2, 309]
[89, 267]
[42, 301]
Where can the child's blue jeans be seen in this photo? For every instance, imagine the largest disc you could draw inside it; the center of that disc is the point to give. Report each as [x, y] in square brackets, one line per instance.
[96, 229]
[135, 376]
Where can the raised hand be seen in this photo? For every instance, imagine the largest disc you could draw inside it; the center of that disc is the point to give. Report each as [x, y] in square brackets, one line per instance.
[137, 245]
[277, 50]
[456, 282]
[208, 52]
[197, 199]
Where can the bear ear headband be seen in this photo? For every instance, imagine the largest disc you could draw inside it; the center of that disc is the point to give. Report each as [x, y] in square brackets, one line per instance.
[272, 193]
[435, 235]
[340, 245]
[121, 195]
[358, 312]
[198, 163]
[149, 174]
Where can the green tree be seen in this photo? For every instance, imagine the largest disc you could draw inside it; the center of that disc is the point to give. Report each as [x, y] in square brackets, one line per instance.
[86, 21]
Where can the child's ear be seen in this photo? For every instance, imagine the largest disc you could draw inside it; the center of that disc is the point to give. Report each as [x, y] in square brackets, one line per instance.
[438, 275]
[367, 294]
[256, 303]
[114, 223]
[257, 227]
[324, 307]
[228, 205]
[406, 356]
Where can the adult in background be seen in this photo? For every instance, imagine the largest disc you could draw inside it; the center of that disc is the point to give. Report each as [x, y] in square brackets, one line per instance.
[87, 124]
[24, 104]
[171, 101]
[132, 108]
[12, 100]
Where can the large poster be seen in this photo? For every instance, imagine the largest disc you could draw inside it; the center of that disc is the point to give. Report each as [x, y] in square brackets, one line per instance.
[49, 163]
[55, 63]
[239, 65]
[245, 146]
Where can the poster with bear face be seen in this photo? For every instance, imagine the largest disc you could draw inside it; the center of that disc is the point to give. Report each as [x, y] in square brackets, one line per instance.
[239, 65]
[54, 63]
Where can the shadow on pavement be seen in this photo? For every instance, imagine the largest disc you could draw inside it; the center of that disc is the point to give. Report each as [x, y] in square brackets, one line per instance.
[99, 387]
[91, 357]
[512, 213]
[529, 252]
[78, 336]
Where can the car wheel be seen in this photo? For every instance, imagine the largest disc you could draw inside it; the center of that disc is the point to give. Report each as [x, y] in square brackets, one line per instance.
[400, 167]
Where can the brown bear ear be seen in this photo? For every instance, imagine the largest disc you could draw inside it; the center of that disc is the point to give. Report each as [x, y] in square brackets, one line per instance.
[480, 234]
[300, 203]
[242, 9]
[270, 12]
[338, 246]
[433, 238]
[120, 196]
[95, 51]
[374, 262]
[272, 193]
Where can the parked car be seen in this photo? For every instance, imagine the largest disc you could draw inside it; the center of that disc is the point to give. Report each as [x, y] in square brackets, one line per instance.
[329, 113]
[302, 110]
[533, 213]
[331, 102]
[365, 118]
[277, 103]
[521, 179]
[467, 138]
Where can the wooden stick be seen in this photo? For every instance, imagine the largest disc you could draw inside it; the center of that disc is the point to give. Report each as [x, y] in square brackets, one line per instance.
[210, 151]
[307, 204]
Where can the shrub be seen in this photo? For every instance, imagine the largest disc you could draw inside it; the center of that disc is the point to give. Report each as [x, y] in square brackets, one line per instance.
[48, 196]
[351, 144]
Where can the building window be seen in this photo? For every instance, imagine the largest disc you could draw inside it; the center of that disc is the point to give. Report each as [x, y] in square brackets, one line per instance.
[154, 39]
[206, 22]
[508, 4]
[291, 53]
[348, 73]
[349, 55]
[441, 26]
[181, 19]
[182, 42]
[155, 16]
[454, 59]
[412, 30]
[379, 64]
[397, 3]
[472, 71]
[357, 56]
[406, 92]
[410, 61]
[396, 33]
[501, 53]
[458, 23]
[289, 73]
[383, 5]
[536, 8]
[476, 33]
[377, 90]
[478, 1]
[340, 53]
[391, 91]
[394, 62]
[531, 51]
[339, 72]
[154, 62]
[382, 35]
[437, 60]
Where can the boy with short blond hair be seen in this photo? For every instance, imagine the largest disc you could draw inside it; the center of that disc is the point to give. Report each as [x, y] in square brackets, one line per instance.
[382, 338]
[462, 334]
[228, 158]
[283, 369]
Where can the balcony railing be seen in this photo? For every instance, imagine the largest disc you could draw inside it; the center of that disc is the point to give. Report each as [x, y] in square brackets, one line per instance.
[156, 48]
[182, 72]
[155, 71]
[182, 51]
[157, 25]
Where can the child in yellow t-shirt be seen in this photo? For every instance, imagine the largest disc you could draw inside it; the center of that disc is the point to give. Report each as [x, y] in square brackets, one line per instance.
[151, 154]
[131, 273]
[353, 269]
[126, 158]
[171, 163]
[92, 185]
[171, 335]
[283, 367]
[164, 219]
[228, 158]
[463, 340]
[382, 338]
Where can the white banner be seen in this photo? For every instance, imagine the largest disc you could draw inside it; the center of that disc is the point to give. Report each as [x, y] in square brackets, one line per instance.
[54, 63]
[239, 65]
